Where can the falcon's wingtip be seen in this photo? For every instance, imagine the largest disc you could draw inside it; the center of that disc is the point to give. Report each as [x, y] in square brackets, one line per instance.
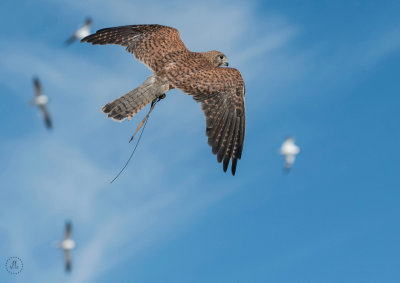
[233, 166]
[86, 39]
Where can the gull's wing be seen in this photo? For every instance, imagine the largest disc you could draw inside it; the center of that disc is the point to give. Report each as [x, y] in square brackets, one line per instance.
[38, 87]
[221, 92]
[67, 260]
[88, 22]
[68, 230]
[289, 160]
[46, 116]
[151, 44]
[286, 168]
[70, 40]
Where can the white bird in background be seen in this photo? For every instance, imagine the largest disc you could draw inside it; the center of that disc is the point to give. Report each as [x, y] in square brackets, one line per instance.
[81, 32]
[67, 245]
[41, 100]
[289, 150]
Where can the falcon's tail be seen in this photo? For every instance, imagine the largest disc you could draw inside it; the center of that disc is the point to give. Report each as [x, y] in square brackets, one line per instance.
[132, 102]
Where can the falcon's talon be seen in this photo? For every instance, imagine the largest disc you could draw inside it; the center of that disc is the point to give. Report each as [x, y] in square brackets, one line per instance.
[160, 97]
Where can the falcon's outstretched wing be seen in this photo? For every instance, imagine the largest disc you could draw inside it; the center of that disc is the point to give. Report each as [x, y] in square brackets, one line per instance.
[149, 43]
[222, 93]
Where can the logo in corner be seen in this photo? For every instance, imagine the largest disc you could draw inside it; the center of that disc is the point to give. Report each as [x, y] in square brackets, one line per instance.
[14, 265]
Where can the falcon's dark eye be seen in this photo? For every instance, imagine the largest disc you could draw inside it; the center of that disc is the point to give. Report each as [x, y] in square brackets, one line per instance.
[221, 57]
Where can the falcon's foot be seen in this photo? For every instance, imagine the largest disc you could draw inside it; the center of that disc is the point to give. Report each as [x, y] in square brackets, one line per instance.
[160, 97]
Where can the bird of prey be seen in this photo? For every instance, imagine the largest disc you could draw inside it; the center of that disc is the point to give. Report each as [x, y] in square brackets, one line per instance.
[41, 100]
[289, 150]
[221, 91]
[82, 32]
[67, 245]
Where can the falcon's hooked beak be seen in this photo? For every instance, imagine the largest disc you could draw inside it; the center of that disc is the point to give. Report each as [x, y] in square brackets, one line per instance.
[225, 64]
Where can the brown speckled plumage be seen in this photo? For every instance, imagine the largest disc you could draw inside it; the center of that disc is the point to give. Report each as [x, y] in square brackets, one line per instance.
[221, 91]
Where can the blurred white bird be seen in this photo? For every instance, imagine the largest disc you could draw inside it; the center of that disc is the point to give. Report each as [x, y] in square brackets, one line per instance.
[81, 32]
[67, 245]
[41, 100]
[289, 150]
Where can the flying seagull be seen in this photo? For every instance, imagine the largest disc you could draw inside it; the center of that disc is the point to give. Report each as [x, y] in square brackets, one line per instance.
[82, 32]
[289, 150]
[41, 100]
[221, 91]
[67, 245]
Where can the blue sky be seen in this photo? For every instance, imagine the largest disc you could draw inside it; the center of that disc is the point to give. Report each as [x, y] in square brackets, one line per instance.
[325, 72]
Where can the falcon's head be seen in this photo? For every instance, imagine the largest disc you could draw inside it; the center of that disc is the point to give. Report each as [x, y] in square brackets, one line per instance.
[217, 58]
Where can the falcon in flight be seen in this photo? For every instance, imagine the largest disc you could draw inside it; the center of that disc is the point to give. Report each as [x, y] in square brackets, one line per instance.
[80, 33]
[41, 101]
[220, 90]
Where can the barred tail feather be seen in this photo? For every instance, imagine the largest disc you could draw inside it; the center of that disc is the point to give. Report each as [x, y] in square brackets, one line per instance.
[131, 103]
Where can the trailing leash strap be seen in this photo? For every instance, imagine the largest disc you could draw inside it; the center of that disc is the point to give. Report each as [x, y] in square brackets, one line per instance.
[142, 123]
[153, 103]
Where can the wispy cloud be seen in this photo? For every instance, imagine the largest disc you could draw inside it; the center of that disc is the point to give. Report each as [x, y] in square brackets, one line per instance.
[138, 211]
[67, 175]
[132, 216]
